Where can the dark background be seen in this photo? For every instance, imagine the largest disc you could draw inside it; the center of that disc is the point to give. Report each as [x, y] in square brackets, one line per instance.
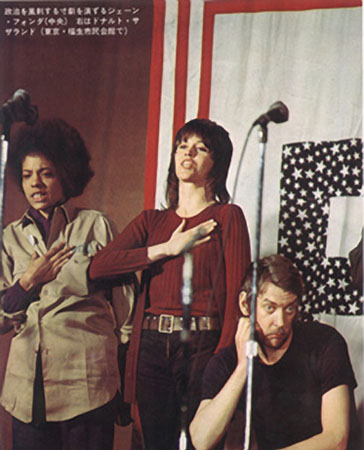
[99, 85]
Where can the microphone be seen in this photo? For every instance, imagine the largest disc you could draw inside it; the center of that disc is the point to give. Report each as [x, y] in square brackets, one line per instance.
[19, 109]
[277, 113]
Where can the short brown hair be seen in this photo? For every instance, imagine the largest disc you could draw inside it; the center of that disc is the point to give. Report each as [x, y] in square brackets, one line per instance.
[276, 269]
[218, 141]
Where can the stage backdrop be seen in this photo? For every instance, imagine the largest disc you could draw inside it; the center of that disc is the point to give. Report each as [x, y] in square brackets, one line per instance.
[229, 61]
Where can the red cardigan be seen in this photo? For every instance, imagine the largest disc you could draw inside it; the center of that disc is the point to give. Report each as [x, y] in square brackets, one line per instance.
[218, 271]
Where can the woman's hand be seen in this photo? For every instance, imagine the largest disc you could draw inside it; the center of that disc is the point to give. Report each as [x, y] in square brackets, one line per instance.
[182, 241]
[42, 269]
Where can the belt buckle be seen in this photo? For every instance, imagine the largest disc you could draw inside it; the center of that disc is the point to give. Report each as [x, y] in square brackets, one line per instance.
[194, 325]
[166, 323]
[205, 323]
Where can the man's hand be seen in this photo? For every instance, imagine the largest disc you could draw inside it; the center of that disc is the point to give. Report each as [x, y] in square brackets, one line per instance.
[42, 269]
[241, 338]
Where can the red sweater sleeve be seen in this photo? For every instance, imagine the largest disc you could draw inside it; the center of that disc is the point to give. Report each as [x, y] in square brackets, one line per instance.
[126, 253]
[237, 259]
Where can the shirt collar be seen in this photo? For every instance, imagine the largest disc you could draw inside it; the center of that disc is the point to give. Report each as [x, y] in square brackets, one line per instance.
[28, 217]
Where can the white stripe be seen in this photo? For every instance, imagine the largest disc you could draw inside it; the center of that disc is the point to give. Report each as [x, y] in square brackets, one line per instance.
[194, 59]
[311, 60]
[167, 99]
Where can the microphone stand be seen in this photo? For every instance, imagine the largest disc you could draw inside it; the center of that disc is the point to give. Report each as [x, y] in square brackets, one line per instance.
[187, 291]
[4, 145]
[252, 346]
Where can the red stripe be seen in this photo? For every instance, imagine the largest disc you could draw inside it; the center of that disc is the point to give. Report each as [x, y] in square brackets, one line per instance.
[206, 63]
[181, 73]
[233, 6]
[213, 7]
[155, 93]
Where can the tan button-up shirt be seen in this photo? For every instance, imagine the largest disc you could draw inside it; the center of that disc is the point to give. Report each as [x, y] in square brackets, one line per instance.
[71, 323]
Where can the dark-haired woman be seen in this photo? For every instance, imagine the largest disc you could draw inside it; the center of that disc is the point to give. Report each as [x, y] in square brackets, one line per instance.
[62, 376]
[154, 242]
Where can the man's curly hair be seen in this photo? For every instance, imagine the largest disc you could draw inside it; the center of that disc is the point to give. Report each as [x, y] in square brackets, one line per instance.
[60, 144]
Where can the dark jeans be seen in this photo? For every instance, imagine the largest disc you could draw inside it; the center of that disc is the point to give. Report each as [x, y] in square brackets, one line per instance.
[165, 373]
[79, 433]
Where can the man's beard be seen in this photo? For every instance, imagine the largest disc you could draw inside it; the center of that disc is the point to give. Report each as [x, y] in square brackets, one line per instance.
[276, 342]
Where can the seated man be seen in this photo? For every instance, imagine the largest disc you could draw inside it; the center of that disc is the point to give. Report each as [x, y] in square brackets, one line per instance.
[303, 381]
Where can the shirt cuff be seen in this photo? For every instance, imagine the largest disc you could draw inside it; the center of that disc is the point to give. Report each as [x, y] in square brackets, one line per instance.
[16, 298]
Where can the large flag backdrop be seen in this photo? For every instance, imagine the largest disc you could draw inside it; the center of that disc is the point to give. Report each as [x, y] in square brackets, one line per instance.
[230, 60]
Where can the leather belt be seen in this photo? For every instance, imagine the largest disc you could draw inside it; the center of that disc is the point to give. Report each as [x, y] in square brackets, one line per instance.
[167, 323]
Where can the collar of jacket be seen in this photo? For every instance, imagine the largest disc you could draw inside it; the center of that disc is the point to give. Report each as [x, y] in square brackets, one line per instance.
[69, 212]
[62, 215]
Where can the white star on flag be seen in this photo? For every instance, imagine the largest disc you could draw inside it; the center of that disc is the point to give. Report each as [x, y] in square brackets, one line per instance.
[342, 284]
[297, 173]
[318, 194]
